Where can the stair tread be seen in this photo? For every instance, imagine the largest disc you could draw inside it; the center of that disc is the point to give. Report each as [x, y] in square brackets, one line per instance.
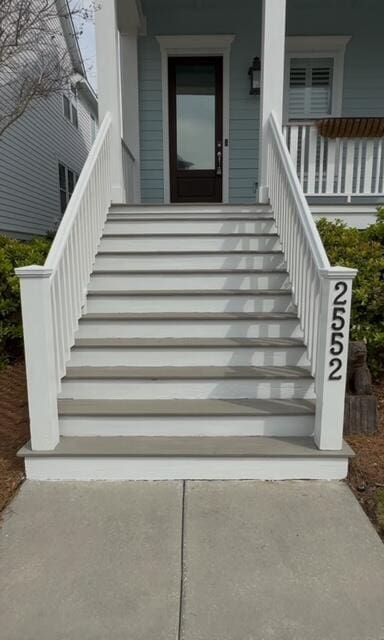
[191, 316]
[188, 446]
[185, 407]
[210, 343]
[218, 271]
[187, 373]
[219, 252]
[192, 292]
[195, 218]
[190, 235]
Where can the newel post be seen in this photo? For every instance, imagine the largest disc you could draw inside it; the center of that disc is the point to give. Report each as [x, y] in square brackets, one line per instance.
[35, 291]
[332, 355]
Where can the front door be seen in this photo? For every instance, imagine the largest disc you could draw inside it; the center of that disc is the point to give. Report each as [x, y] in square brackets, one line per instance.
[196, 129]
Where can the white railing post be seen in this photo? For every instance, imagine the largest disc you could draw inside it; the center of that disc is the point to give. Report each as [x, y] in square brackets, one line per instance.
[39, 346]
[332, 355]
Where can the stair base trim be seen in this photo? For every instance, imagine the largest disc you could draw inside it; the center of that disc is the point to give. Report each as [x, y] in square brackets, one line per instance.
[191, 468]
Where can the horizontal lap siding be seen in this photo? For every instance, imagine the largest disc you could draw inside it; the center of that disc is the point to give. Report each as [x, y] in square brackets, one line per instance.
[213, 17]
[363, 93]
[151, 121]
[29, 155]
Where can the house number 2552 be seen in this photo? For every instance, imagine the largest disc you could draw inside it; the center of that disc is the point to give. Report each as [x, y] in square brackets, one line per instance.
[337, 331]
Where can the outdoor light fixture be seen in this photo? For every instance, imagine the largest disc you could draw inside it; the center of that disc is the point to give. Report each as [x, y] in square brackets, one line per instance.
[254, 73]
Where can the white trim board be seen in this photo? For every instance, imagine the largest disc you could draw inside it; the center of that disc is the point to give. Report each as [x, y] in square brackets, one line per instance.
[359, 216]
[216, 45]
[170, 468]
[318, 47]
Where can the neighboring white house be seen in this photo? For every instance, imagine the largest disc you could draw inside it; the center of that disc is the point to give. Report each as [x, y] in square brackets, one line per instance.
[187, 322]
[43, 152]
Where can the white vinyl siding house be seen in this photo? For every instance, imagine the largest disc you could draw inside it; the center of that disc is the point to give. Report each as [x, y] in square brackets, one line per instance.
[56, 130]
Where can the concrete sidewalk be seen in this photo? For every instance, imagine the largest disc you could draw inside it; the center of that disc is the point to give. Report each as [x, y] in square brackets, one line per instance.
[200, 561]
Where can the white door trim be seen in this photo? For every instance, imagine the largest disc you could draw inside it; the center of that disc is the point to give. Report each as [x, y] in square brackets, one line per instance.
[219, 46]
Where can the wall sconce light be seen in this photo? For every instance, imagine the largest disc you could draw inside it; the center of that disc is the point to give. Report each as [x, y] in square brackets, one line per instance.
[254, 73]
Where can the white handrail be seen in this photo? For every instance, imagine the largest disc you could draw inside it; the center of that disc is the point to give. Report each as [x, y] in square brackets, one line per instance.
[322, 293]
[128, 163]
[303, 209]
[71, 212]
[53, 296]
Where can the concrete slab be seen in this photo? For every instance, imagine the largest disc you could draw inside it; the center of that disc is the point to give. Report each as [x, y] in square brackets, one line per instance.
[280, 561]
[97, 561]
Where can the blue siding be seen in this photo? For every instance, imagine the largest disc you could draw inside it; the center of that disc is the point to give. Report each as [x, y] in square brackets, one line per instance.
[363, 81]
[182, 17]
[151, 121]
[364, 59]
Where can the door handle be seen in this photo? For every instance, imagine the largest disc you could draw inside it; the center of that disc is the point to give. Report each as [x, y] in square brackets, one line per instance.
[219, 156]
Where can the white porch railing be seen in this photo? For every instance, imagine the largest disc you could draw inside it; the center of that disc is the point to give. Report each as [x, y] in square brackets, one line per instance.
[336, 167]
[322, 293]
[128, 160]
[53, 296]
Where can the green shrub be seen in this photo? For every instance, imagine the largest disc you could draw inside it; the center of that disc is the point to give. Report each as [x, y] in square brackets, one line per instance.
[15, 253]
[362, 250]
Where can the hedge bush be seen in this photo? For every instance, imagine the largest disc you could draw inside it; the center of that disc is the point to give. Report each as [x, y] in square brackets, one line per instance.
[15, 253]
[362, 250]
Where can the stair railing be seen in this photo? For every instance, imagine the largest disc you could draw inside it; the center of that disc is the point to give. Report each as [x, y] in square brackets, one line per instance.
[322, 293]
[53, 295]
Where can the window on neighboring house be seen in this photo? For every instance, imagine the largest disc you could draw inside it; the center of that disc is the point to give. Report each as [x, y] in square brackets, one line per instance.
[70, 107]
[310, 88]
[93, 129]
[67, 182]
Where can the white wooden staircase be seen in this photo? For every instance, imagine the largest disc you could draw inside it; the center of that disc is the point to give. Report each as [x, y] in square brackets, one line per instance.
[182, 350]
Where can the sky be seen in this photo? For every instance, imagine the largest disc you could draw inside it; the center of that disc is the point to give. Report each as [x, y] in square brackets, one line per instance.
[86, 39]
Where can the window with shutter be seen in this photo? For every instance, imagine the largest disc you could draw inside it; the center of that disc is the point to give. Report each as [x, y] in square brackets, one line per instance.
[310, 88]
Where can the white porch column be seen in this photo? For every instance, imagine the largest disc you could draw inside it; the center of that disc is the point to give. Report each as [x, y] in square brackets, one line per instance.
[130, 104]
[108, 87]
[272, 78]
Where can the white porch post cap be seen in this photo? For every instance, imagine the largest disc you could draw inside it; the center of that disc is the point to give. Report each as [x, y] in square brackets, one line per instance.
[338, 273]
[33, 271]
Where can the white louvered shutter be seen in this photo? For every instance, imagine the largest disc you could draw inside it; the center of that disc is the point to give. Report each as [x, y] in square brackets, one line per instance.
[310, 88]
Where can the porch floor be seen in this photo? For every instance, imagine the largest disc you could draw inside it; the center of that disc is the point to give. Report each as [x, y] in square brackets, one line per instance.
[192, 561]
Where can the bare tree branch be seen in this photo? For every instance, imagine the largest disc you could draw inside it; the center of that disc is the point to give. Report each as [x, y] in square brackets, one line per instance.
[34, 59]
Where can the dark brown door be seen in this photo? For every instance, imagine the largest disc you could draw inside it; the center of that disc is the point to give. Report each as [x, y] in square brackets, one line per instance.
[196, 129]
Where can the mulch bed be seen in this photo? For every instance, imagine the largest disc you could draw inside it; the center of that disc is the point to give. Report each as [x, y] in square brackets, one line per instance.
[366, 471]
[366, 475]
[14, 429]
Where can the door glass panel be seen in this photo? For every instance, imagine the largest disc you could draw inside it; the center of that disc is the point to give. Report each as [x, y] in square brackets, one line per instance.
[196, 116]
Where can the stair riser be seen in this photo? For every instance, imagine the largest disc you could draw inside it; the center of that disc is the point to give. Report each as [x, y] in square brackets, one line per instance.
[188, 389]
[183, 304]
[186, 329]
[185, 281]
[191, 357]
[269, 262]
[190, 243]
[277, 426]
[189, 226]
